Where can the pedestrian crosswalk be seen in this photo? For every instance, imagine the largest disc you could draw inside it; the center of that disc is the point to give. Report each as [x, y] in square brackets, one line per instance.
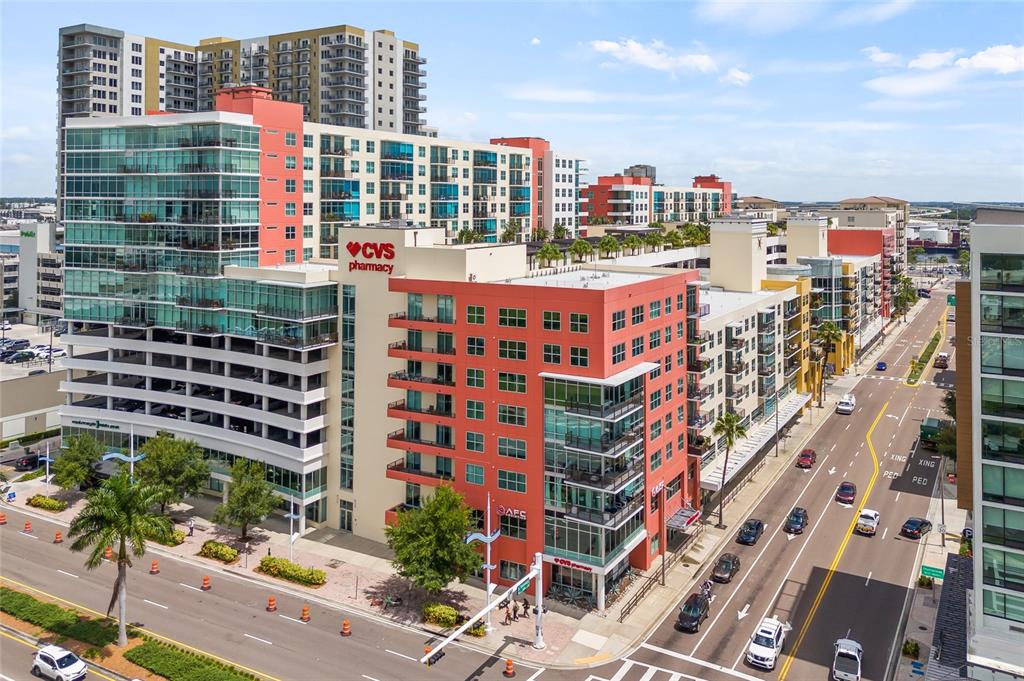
[641, 671]
[945, 386]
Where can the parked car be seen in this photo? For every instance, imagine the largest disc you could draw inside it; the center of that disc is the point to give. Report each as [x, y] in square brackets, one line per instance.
[5, 324]
[807, 458]
[916, 528]
[942, 360]
[29, 462]
[54, 662]
[766, 644]
[797, 521]
[55, 352]
[846, 664]
[693, 612]
[726, 568]
[881, 366]
[847, 404]
[846, 493]
[750, 532]
[867, 522]
[20, 356]
[17, 344]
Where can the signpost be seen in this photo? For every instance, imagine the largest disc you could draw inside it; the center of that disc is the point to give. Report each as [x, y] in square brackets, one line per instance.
[933, 572]
[951, 300]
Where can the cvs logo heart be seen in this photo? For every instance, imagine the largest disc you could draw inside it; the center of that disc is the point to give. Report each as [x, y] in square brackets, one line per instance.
[354, 247]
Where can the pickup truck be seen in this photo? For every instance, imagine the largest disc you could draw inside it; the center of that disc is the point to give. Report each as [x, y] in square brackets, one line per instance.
[930, 428]
[846, 664]
[867, 522]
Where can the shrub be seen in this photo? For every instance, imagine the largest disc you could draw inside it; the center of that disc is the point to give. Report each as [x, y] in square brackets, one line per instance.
[479, 630]
[175, 664]
[47, 503]
[57, 619]
[441, 615]
[283, 568]
[32, 475]
[217, 551]
[92, 653]
[173, 539]
[967, 547]
[924, 582]
[911, 648]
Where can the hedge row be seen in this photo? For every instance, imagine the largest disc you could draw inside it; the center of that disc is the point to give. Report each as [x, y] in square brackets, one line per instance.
[218, 551]
[173, 539]
[32, 475]
[926, 356]
[175, 664]
[293, 572]
[47, 503]
[57, 619]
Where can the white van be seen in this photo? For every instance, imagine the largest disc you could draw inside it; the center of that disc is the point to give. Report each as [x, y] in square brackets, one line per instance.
[847, 403]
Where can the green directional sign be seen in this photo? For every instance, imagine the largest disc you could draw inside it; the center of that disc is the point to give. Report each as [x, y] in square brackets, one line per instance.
[522, 587]
[951, 299]
[933, 572]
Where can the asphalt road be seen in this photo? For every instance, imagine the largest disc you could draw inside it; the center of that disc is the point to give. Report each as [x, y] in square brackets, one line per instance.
[17, 656]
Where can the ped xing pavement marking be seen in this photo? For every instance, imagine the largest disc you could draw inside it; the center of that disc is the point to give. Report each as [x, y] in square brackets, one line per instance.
[839, 553]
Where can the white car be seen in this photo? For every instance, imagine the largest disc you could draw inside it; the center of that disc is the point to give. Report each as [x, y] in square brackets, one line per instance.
[846, 665]
[766, 643]
[847, 403]
[54, 662]
[867, 522]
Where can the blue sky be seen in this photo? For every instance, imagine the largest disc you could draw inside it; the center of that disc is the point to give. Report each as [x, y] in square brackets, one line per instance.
[809, 100]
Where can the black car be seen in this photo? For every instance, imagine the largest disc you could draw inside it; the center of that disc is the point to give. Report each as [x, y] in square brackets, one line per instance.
[726, 568]
[29, 462]
[20, 356]
[750, 532]
[797, 520]
[693, 611]
[915, 528]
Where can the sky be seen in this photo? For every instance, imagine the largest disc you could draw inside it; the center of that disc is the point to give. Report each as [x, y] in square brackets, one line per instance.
[814, 100]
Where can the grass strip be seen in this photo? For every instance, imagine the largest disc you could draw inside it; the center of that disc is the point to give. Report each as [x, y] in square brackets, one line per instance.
[69, 623]
[926, 356]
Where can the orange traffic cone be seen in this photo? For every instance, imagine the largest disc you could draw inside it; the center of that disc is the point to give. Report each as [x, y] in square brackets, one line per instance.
[271, 604]
[510, 669]
[154, 569]
[3, 518]
[206, 583]
[346, 628]
[108, 554]
[426, 652]
[305, 613]
[28, 527]
[57, 539]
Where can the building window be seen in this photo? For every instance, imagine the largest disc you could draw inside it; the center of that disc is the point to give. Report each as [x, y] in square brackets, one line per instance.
[475, 314]
[618, 320]
[509, 349]
[655, 399]
[307, 208]
[475, 409]
[289, 255]
[474, 474]
[655, 429]
[512, 316]
[656, 460]
[638, 346]
[512, 481]
[474, 345]
[289, 186]
[654, 339]
[579, 322]
[474, 441]
[289, 231]
[618, 353]
[514, 528]
[307, 141]
[655, 309]
[475, 378]
[579, 357]
[511, 383]
[637, 316]
[552, 320]
[307, 186]
[552, 353]
[512, 448]
[307, 163]
[307, 231]
[511, 415]
[289, 208]
[511, 571]
[289, 162]
[289, 139]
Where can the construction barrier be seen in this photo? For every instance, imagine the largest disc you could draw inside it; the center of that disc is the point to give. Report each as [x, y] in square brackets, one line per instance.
[108, 553]
[510, 669]
[206, 583]
[346, 628]
[271, 604]
[57, 539]
[154, 568]
[28, 527]
[305, 613]
[3, 518]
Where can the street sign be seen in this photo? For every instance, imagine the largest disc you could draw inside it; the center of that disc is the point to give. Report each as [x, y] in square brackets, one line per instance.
[933, 572]
[951, 299]
[522, 587]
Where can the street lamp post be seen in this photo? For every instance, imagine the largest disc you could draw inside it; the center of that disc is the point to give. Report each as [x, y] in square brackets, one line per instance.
[292, 517]
[487, 537]
[130, 459]
[47, 460]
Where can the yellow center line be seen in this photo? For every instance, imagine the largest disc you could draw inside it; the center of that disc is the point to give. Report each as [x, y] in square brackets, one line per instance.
[92, 668]
[842, 549]
[142, 629]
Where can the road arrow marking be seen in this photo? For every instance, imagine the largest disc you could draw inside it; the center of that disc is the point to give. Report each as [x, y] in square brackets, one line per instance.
[891, 416]
[740, 614]
[866, 581]
[790, 536]
[831, 471]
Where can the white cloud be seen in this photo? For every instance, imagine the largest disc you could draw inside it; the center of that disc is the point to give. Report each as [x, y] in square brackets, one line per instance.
[588, 116]
[20, 159]
[999, 58]
[910, 105]
[852, 126]
[560, 95]
[15, 133]
[932, 60]
[655, 55]
[756, 16]
[917, 84]
[779, 67]
[736, 77]
[535, 41]
[871, 12]
[882, 58]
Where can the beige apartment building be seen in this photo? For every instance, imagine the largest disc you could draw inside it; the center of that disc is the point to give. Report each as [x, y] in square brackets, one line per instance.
[884, 204]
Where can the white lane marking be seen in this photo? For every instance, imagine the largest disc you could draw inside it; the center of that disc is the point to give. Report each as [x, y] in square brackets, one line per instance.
[30, 536]
[68, 574]
[623, 670]
[869, 395]
[369, 678]
[651, 671]
[536, 674]
[750, 570]
[851, 462]
[847, 427]
[263, 640]
[145, 600]
[702, 663]
[387, 650]
[833, 448]
[885, 532]
[292, 619]
[189, 586]
[898, 495]
[866, 581]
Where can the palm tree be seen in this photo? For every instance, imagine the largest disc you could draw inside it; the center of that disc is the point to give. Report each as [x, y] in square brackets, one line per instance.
[118, 514]
[510, 232]
[731, 428]
[654, 240]
[828, 335]
[540, 234]
[547, 253]
[633, 243]
[675, 239]
[468, 235]
[581, 249]
[561, 232]
[609, 245]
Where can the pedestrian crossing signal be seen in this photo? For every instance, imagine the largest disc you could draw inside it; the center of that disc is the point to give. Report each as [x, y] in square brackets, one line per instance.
[435, 658]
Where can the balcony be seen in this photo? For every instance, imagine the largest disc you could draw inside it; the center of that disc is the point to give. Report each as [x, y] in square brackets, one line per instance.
[702, 310]
[766, 344]
[766, 368]
[699, 396]
[405, 377]
[734, 367]
[612, 516]
[399, 440]
[398, 470]
[604, 446]
[792, 368]
[699, 365]
[699, 421]
[699, 340]
[405, 320]
[401, 350]
[400, 409]
[610, 479]
[609, 411]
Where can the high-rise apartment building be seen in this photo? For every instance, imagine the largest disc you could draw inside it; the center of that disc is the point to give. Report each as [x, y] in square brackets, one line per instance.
[634, 200]
[557, 179]
[873, 212]
[996, 605]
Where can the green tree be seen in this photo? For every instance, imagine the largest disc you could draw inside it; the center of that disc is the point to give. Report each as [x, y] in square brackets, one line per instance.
[468, 235]
[541, 234]
[581, 250]
[695, 235]
[547, 254]
[942, 260]
[674, 239]
[118, 514]
[598, 220]
[250, 497]
[660, 226]
[561, 232]
[654, 239]
[915, 254]
[74, 466]
[964, 259]
[828, 336]
[945, 442]
[608, 245]
[730, 427]
[949, 404]
[510, 232]
[429, 543]
[176, 468]
[633, 243]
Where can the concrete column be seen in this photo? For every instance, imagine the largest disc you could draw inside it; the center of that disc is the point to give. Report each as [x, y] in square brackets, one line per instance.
[224, 495]
[600, 592]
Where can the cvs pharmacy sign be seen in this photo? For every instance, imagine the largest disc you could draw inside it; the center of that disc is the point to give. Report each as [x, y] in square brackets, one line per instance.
[371, 250]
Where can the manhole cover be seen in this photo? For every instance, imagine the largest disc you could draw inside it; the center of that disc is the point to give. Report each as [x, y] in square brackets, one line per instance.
[335, 563]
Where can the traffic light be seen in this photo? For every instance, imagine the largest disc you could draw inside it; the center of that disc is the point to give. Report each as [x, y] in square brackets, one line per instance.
[435, 658]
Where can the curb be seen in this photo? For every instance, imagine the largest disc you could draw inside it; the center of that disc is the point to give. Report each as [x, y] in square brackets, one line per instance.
[16, 633]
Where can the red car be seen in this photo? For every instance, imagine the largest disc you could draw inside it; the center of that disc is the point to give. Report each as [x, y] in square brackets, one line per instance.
[807, 458]
[846, 493]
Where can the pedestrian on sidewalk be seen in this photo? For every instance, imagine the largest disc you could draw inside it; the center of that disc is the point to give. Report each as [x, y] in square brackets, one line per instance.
[508, 616]
[515, 611]
[526, 608]
[191, 526]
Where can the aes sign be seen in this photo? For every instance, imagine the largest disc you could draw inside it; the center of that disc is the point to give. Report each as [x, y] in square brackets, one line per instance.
[512, 512]
[371, 251]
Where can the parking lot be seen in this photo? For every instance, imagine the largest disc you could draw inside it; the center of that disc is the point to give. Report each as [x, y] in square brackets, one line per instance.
[34, 337]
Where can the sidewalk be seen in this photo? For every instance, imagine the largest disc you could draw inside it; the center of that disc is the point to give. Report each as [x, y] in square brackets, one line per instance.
[573, 638]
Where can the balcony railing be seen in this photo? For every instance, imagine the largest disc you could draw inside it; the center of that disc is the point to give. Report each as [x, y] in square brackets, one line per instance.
[699, 395]
[419, 378]
[699, 421]
[419, 318]
[608, 411]
[400, 466]
[404, 345]
[610, 478]
[605, 446]
[430, 410]
[400, 436]
[702, 310]
[610, 516]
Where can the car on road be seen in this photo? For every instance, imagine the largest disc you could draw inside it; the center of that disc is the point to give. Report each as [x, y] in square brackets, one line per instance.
[807, 458]
[693, 612]
[867, 522]
[796, 521]
[942, 360]
[29, 462]
[916, 528]
[54, 662]
[847, 404]
[750, 532]
[726, 568]
[766, 644]
[846, 493]
[881, 366]
[846, 664]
